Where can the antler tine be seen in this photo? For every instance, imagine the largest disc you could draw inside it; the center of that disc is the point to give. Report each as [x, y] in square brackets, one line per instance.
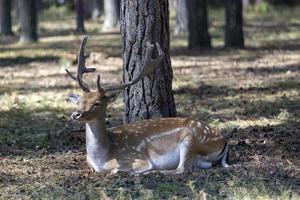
[149, 65]
[100, 89]
[81, 68]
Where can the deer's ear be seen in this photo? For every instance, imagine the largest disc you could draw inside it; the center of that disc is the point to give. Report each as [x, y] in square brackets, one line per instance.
[73, 98]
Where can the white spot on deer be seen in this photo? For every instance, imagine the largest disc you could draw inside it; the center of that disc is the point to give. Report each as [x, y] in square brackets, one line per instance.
[199, 124]
[203, 139]
[141, 145]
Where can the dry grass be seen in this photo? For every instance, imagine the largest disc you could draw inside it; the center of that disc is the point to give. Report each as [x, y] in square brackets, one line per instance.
[252, 95]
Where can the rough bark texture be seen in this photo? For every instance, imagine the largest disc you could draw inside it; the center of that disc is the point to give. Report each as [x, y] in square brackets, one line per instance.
[199, 37]
[234, 35]
[28, 20]
[79, 16]
[5, 17]
[111, 14]
[181, 17]
[145, 21]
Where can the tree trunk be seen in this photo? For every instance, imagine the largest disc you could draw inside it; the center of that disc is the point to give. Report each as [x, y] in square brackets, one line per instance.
[93, 9]
[172, 4]
[5, 17]
[28, 20]
[145, 21]
[199, 37]
[111, 14]
[79, 17]
[181, 17]
[234, 35]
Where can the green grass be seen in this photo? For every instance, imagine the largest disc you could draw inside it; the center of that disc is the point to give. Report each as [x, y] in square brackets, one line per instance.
[251, 95]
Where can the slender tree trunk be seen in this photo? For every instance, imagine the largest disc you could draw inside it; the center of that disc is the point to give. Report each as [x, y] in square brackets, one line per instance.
[145, 21]
[111, 14]
[234, 35]
[181, 17]
[199, 37]
[98, 9]
[246, 3]
[28, 20]
[172, 4]
[80, 17]
[5, 17]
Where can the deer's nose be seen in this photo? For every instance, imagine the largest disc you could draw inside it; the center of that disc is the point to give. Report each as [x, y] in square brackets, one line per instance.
[76, 115]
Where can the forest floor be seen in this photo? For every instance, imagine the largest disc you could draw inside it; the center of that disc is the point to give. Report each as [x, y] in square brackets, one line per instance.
[251, 95]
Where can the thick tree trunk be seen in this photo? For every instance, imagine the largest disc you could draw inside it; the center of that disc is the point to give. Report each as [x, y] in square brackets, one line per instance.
[234, 35]
[199, 37]
[80, 17]
[111, 14]
[181, 17]
[145, 21]
[5, 17]
[28, 20]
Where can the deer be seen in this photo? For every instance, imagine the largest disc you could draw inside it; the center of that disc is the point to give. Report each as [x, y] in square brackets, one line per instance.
[166, 145]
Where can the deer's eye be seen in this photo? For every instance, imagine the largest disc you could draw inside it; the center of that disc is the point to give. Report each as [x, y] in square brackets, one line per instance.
[96, 104]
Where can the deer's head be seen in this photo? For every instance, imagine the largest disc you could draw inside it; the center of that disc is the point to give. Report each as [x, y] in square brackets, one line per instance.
[93, 104]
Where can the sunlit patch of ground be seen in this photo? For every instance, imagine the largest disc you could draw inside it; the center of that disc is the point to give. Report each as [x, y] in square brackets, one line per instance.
[251, 95]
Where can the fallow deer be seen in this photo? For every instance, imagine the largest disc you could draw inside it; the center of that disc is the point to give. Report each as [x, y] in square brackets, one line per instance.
[167, 145]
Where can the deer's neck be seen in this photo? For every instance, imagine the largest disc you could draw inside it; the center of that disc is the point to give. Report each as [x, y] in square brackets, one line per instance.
[97, 144]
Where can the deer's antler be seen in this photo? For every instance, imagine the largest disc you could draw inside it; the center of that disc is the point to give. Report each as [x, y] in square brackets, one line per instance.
[81, 67]
[149, 65]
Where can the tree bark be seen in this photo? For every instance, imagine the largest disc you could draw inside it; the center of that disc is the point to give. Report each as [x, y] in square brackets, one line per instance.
[5, 17]
[28, 20]
[234, 35]
[199, 37]
[111, 14]
[181, 17]
[145, 21]
[80, 17]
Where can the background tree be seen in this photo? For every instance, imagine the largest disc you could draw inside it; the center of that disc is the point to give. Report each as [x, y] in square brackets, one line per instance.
[199, 36]
[79, 16]
[5, 17]
[234, 35]
[111, 14]
[181, 17]
[93, 9]
[141, 22]
[28, 20]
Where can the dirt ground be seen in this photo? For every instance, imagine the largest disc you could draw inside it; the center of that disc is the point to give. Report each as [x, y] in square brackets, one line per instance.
[251, 95]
